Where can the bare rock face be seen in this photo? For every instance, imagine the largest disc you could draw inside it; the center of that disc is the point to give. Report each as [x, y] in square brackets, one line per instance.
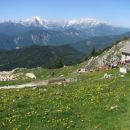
[108, 57]
[7, 76]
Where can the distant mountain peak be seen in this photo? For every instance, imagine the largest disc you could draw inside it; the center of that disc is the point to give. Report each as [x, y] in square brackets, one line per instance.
[64, 24]
[40, 31]
[35, 20]
[86, 22]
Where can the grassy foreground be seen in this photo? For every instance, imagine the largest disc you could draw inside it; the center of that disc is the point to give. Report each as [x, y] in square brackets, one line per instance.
[92, 103]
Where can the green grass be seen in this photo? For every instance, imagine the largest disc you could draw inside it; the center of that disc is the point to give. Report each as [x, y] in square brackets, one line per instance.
[84, 105]
[41, 74]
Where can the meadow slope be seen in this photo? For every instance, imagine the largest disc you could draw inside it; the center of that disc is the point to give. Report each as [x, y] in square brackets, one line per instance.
[92, 103]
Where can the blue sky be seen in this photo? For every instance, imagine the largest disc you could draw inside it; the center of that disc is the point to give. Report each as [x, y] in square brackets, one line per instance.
[115, 11]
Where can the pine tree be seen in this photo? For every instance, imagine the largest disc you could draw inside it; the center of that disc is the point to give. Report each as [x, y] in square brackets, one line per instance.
[59, 63]
[93, 52]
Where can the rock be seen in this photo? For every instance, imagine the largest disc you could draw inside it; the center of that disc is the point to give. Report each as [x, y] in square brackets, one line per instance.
[106, 75]
[30, 75]
[113, 107]
[109, 58]
[123, 70]
[122, 76]
[7, 76]
[81, 70]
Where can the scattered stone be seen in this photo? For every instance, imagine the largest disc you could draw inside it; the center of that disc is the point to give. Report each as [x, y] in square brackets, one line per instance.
[106, 76]
[81, 70]
[113, 107]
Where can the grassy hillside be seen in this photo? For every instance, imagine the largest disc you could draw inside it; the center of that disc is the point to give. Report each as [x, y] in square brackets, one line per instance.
[91, 103]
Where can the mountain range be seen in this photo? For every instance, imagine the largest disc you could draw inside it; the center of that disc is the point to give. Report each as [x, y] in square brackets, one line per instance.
[50, 44]
[36, 31]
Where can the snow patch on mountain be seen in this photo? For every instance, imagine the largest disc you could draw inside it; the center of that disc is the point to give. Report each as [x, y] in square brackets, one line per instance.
[82, 23]
[87, 21]
[34, 21]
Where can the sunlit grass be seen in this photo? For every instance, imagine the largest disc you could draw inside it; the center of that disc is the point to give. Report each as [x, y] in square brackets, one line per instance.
[89, 104]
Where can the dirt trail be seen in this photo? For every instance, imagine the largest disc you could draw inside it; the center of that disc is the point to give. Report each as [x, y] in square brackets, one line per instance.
[38, 83]
[28, 85]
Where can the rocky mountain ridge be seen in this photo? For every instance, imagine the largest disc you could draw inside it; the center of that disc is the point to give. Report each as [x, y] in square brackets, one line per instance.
[37, 31]
[111, 55]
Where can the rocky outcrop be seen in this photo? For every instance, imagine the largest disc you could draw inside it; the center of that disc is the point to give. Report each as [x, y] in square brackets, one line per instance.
[30, 75]
[7, 76]
[107, 58]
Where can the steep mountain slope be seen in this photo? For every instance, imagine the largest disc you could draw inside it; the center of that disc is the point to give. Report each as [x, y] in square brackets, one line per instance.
[48, 37]
[45, 56]
[6, 42]
[39, 37]
[12, 29]
[112, 54]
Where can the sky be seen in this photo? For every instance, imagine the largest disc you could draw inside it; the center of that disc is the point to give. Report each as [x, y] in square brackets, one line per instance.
[116, 12]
